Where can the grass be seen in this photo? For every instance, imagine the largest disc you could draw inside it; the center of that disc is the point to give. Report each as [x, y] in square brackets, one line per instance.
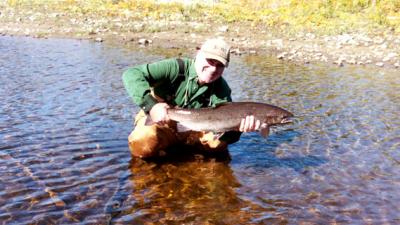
[317, 16]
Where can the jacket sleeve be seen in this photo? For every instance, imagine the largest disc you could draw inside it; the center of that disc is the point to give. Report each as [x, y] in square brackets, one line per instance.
[138, 81]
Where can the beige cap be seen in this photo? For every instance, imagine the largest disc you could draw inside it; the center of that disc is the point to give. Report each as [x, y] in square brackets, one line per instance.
[216, 49]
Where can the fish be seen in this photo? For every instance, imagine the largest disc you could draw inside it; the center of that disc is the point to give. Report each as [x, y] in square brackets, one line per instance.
[227, 117]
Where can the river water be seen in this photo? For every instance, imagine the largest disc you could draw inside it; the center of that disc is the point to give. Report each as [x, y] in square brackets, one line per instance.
[65, 118]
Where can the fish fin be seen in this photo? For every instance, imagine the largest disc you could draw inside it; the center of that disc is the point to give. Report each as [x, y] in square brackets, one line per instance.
[218, 135]
[181, 128]
[264, 130]
[148, 121]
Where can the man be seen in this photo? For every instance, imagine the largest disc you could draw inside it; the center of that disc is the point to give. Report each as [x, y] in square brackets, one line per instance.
[185, 83]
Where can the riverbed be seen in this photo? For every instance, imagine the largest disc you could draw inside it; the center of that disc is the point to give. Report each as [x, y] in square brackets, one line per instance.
[64, 158]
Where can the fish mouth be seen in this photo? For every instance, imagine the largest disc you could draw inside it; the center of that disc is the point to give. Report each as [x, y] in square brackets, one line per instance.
[287, 120]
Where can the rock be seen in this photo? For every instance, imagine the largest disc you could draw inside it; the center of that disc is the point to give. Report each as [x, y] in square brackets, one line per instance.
[310, 36]
[390, 56]
[344, 38]
[92, 32]
[223, 29]
[319, 54]
[282, 55]
[27, 32]
[339, 61]
[144, 41]
[278, 43]
[397, 64]
[98, 39]
[54, 15]
[252, 52]
[138, 27]
[380, 64]
[300, 35]
[32, 18]
[366, 39]
[236, 51]
[378, 40]
[383, 46]
[327, 39]
[351, 61]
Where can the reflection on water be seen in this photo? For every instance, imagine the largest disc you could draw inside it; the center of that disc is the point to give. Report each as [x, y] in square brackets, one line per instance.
[64, 157]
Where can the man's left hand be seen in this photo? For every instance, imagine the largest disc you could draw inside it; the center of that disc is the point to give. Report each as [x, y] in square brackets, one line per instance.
[249, 124]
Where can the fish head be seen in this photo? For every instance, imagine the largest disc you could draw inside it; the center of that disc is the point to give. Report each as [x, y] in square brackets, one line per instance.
[280, 116]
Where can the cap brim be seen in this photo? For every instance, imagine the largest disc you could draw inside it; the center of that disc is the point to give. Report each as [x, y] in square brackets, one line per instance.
[216, 57]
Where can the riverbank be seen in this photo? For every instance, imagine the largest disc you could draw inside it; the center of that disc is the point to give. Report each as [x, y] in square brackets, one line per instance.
[378, 47]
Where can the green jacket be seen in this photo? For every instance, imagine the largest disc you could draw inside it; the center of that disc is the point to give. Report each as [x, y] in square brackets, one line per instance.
[177, 90]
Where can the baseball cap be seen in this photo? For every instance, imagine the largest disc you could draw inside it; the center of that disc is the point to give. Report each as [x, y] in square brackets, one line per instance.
[216, 49]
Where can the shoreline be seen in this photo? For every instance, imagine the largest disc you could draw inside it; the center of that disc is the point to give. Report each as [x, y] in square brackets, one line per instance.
[379, 50]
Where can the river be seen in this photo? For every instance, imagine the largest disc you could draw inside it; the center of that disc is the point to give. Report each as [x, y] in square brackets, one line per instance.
[64, 158]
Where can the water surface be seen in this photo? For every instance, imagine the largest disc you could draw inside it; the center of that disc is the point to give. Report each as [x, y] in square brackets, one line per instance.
[64, 159]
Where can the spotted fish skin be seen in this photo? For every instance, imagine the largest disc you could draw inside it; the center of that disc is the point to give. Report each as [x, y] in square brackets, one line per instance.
[227, 116]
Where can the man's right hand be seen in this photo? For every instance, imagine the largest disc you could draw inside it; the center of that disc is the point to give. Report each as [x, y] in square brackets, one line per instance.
[249, 124]
[158, 113]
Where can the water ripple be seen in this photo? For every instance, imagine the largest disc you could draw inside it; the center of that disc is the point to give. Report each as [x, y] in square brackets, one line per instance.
[64, 159]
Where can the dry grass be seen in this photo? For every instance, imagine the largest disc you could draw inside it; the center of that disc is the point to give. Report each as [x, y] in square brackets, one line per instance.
[318, 16]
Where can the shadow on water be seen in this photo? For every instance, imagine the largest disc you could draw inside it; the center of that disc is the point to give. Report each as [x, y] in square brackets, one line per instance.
[265, 153]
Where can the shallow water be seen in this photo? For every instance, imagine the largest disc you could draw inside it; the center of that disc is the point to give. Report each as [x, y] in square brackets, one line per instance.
[64, 157]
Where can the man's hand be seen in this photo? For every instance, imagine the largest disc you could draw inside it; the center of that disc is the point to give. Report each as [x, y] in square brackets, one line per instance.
[159, 113]
[249, 124]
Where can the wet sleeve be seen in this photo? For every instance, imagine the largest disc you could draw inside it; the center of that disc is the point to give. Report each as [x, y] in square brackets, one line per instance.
[138, 81]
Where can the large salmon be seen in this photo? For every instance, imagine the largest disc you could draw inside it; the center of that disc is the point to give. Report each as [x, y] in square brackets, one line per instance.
[227, 116]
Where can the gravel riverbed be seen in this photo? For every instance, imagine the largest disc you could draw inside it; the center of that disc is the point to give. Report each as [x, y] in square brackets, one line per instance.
[381, 49]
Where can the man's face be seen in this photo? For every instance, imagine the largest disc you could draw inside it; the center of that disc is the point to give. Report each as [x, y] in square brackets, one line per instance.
[208, 70]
